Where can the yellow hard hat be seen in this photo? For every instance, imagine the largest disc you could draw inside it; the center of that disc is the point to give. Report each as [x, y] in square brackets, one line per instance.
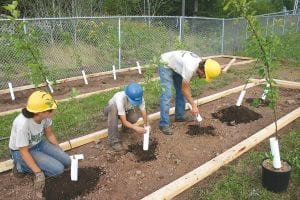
[212, 69]
[40, 101]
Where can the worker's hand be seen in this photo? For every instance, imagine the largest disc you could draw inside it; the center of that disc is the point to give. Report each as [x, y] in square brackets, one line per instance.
[195, 110]
[140, 130]
[39, 181]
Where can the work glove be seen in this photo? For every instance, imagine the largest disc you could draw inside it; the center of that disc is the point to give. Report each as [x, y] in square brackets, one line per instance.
[39, 181]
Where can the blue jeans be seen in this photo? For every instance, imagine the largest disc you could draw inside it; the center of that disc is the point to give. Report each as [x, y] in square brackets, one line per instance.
[51, 159]
[168, 78]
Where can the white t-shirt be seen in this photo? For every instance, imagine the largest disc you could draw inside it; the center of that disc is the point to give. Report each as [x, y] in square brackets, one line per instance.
[26, 132]
[123, 105]
[184, 63]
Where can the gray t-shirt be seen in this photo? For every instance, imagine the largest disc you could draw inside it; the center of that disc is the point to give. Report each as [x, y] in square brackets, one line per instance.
[26, 132]
[123, 105]
[184, 63]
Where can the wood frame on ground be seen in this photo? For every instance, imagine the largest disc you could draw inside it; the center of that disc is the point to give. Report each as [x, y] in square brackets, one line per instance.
[7, 165]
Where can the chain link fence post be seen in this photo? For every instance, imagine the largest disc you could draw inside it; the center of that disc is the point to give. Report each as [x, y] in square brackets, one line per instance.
[222, 37]
[298, 22]
[119, 39]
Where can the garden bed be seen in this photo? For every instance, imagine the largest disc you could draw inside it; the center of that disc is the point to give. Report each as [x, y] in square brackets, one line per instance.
[62, 90]
[127, 177]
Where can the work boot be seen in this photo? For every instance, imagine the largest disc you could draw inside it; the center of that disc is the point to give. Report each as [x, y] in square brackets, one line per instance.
[186, 118]
[167, 130]
[117, 146]
[16, 173]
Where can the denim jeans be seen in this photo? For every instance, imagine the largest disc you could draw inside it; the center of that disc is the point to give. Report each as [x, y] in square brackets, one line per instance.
[168, 78]
[51, 159]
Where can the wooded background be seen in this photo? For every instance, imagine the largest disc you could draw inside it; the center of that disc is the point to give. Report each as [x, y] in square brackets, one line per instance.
[208, 8]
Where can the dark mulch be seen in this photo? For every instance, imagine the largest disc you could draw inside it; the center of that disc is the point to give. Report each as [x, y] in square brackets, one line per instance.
[194, 130]
[236, 114]
[141, 155]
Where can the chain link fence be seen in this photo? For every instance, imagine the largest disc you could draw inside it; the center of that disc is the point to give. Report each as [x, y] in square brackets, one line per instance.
[68, 45]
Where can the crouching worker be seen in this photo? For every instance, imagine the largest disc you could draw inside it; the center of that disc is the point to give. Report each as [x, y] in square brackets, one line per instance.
[30, 152]
[123, 106]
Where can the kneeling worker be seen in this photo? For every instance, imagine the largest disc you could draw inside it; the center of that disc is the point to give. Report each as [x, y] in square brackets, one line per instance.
[29, 151]
[123, 106]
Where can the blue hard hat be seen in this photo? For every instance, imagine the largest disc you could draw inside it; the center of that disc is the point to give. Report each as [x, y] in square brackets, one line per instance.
[134, 92]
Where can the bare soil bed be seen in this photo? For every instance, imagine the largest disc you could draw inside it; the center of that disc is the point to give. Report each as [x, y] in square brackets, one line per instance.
[126, 176]
[63, 90]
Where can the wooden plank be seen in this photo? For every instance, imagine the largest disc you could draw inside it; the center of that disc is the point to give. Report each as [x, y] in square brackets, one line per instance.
[280, 83]
[243, 62]
[181, 184]
[103, 133]
[6, 165]
[229, 65]
[238, 57]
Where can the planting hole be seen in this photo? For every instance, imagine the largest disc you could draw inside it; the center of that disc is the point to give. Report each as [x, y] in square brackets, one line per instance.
[198, 130]
[236, 114]
[137, 150]
[62, 187]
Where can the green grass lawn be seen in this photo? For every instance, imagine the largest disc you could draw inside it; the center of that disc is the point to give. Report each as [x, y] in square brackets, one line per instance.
[241, 180]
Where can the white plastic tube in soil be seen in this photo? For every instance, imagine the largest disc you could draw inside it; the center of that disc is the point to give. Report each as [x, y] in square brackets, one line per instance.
[198, 116]
[11, 91]
[74, 166]
[114, 72]
[49, 85]
[146, 138]
[275, 152]
[241, 97]
[84, 77]
[139, 67]
[264, 95]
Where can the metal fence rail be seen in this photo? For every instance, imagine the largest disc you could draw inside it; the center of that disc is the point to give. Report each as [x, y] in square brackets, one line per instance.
[94, 44]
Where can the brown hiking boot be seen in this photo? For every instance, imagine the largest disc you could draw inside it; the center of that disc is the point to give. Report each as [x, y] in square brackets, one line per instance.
[167, 130]
[117, 146]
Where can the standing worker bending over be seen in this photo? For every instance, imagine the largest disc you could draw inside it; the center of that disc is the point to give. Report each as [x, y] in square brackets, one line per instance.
[123, 106]
[178, 69]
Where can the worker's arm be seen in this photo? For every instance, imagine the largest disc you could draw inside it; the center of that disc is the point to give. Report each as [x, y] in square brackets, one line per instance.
[188, 96]
[29, 160]
[127, 124]
[51, 136]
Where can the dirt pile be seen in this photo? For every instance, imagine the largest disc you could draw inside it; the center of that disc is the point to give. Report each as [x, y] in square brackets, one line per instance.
[236, 114]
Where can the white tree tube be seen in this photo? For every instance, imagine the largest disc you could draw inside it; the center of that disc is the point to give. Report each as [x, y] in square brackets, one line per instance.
[114, 72]
[139, 67]
[74, 166]
[241, 97]
[264, 95]
[275, 153]
[146, 138]
[49, 86]
[84, 77]
[198, 116]
[11, 91]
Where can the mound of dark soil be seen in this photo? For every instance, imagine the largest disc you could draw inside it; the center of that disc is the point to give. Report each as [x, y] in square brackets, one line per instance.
[141, 155]
[236, 114]
[62, 188]
[194, 130]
